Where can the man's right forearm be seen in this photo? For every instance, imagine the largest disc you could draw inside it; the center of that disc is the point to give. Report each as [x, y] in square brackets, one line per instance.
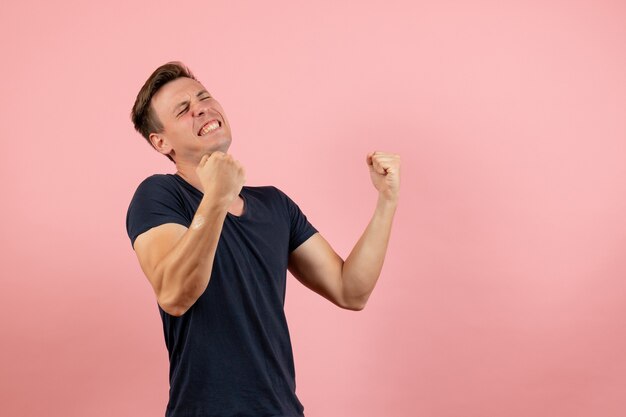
[186, 270]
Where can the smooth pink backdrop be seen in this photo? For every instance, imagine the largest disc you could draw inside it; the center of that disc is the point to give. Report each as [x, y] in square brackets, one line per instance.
[504, 290]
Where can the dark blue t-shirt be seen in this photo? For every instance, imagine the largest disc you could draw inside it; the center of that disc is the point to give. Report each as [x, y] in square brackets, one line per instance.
[230, 353]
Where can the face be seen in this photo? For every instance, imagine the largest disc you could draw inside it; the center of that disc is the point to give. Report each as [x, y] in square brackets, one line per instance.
[194, 123]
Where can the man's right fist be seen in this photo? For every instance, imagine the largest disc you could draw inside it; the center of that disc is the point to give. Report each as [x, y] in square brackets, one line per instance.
[221, 176]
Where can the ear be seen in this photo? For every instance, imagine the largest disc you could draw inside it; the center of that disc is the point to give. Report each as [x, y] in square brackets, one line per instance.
[160, 143]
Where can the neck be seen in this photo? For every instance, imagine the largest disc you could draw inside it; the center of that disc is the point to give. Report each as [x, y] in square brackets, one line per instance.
[188, 173]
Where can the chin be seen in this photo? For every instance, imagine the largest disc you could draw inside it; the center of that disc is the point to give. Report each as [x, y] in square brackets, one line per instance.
[224, 145]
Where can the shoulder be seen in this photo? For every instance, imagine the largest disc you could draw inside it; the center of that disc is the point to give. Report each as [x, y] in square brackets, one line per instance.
[260, 189]
[157, 181]
[262, 192]
[160, 187]
[270, 194]
[159, 199]
[266, 190]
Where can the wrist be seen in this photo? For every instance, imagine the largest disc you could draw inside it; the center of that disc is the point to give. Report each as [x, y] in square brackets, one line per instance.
[386, 202]
[214, 204]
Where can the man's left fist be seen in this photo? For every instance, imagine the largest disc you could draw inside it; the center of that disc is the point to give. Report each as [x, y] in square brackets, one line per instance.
[385, 173]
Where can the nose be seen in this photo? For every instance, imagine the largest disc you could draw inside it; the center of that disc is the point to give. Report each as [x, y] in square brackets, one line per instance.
[200, 108]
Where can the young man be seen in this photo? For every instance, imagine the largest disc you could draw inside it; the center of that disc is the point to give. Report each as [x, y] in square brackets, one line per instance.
[216, 253]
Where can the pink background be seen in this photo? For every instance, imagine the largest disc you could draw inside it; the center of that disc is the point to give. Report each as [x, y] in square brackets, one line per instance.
[504, 290]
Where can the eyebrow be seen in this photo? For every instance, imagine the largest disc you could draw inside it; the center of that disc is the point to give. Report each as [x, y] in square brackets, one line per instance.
[186, 102]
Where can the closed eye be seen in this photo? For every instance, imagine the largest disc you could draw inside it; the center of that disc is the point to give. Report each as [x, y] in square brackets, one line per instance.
[183, 111]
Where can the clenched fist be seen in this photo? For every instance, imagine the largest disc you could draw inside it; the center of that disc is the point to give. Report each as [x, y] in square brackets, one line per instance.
[221, 176]
[385, 173]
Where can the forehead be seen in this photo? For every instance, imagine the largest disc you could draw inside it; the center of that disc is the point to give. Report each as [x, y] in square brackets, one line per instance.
[174, 92]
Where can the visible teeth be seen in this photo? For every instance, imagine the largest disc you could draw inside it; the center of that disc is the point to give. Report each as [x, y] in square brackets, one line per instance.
[209, 127]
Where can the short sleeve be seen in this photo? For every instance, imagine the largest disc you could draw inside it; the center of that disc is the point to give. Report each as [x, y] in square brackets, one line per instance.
[299, 227]
[154, 203]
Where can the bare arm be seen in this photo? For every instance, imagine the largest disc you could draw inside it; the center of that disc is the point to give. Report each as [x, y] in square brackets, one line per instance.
[178, 260]
[349, 283]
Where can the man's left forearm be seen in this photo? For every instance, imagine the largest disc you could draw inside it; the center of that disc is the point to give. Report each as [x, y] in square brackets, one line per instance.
[362, 267]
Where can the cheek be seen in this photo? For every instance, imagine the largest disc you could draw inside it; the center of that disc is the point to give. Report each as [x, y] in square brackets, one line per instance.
[184, 126]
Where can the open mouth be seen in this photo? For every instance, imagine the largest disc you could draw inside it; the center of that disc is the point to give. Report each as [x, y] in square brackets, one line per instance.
[209, 127]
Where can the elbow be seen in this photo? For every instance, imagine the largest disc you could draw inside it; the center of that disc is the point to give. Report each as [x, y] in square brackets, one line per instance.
[168, 299]
[176, 297]
[355, 307]
[178, 312]
[176, 301]
[354, 304]
[172, 307]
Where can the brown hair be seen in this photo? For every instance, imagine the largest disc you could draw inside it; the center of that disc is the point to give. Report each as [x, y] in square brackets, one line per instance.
[143, 116]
